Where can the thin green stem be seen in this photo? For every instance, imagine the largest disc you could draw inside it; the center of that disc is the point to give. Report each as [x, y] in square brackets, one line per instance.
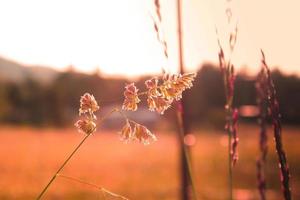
[70, 156]
[92, 185]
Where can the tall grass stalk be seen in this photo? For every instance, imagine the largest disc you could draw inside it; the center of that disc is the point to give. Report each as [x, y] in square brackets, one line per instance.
[227, 70]
[185, 149]
[230, 182]
[276, 121]
[262, 102]
[186, 165]
[71, 155]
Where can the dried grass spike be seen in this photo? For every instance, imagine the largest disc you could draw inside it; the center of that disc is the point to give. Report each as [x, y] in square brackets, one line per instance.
[160, 104]
[235, 139]
[157, 8]
[152, 86]
[275, 115]
[126, 132]
[131, 97]
[143, 135]
[85, 126]
[88, 104]
[187, 79]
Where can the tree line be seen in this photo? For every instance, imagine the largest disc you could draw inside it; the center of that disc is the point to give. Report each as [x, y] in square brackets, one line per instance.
[56, 104]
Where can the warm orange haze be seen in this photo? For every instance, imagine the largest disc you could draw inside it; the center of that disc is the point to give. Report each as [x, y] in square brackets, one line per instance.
[149, 100]
[117, 35]
[138, 173]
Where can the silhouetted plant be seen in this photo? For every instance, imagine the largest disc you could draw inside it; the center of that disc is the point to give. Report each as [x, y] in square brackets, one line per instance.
[228, 73]
[262, 102]
[273, 106]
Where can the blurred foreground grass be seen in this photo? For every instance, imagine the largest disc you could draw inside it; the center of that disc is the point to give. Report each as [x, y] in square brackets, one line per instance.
[29, 157]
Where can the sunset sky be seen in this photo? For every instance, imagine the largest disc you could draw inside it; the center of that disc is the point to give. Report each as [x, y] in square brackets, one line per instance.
[118, 37]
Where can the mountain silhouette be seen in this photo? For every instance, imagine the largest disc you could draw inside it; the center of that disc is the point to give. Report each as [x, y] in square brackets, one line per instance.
[16, 72]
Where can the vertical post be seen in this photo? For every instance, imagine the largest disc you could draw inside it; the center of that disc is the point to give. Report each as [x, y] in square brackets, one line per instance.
[185, 181]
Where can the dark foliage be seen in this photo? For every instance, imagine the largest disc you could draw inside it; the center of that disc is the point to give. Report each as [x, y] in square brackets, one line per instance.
[30, 102]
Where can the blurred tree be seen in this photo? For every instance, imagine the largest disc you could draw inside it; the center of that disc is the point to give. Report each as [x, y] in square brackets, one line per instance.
[31, 102]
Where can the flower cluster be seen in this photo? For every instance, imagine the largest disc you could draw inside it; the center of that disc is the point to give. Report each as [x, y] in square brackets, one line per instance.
[88, 105]
[133, 131]
[159, 96]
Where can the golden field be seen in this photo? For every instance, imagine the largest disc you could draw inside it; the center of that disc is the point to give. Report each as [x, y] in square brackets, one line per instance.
[29, 157]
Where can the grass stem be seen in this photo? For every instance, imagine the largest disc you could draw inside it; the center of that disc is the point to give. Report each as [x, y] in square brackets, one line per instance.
[62, 166]
[70, 156]
[186, 154]
[230, 188]
[92, 185]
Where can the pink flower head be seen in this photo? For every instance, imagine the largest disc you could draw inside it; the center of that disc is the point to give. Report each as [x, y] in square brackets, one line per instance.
[174, 85]
[126, 132]
[85, 126]
[88, 104]
[143, 135]
[152, 86]
[131, 97]
[159, 104]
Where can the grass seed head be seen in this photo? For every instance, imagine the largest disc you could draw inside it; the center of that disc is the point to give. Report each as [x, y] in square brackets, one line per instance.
[88, 104]
[143, 135]
[126, 132]
[85, 126]
[131, 97]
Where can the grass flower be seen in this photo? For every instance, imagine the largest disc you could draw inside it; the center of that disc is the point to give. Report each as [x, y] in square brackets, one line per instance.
[143, 135]
[158, 104]
[88, 104]
[85, 126]
[185, 81]
[159, 96]
[126, 132]
[131, 98]
[152, 86]
[174, 85]
[133, 131]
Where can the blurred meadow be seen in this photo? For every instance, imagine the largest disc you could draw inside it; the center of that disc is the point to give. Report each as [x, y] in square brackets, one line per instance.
[29, 156]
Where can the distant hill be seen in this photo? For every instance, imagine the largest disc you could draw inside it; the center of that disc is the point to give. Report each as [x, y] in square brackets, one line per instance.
[16, 72]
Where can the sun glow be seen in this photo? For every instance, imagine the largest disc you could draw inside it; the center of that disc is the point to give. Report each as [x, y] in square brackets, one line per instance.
[117, 36]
